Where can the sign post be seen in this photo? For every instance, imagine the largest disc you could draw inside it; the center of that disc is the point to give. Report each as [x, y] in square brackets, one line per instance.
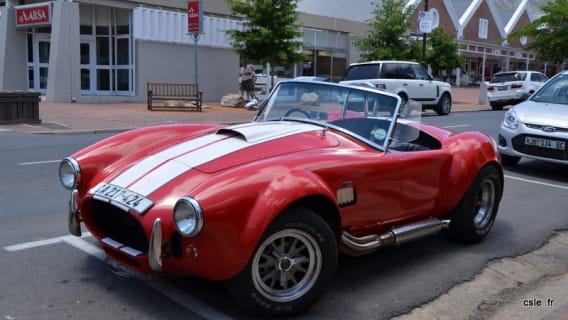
[424, 35]
[195, 29]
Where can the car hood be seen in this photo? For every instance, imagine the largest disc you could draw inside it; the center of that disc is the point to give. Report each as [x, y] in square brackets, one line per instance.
[551, 114]
[228, 147]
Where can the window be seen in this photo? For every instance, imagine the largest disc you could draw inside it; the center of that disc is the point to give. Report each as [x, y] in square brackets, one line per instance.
[483, 28]
[325, 54]
[390, 71]
[107, 59]
[420, 73]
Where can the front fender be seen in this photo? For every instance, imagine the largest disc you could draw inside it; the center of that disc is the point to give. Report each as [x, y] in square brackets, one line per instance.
[238, 211]
[283, 192]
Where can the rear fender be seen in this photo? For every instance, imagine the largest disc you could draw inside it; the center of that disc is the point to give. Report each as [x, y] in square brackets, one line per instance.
[471, 152]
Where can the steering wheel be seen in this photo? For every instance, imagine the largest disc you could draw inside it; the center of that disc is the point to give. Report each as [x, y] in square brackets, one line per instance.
[304, 112]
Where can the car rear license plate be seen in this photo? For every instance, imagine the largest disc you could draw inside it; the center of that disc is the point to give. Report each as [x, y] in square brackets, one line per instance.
[501, 88]
[545, 143]
[121, 197]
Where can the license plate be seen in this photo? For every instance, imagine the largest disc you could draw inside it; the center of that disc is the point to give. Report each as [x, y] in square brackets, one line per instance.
[545, 143]
[501, 88]
[122, 198]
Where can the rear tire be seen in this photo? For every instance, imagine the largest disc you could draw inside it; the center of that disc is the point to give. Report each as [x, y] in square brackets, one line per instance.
[496, 106]
[474, 216]
[290, 268]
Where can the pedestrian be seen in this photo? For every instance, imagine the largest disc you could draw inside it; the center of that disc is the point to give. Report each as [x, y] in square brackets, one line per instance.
[248, 77]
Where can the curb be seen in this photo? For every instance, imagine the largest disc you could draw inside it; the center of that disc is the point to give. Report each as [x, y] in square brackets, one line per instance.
[527, 287]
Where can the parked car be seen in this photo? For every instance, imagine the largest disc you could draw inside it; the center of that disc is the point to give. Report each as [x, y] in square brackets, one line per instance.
[407, 79]
[268, 205]
[538, 128]
[512, 87]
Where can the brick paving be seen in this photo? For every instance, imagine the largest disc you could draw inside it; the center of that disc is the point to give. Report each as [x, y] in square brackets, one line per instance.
[100, 117]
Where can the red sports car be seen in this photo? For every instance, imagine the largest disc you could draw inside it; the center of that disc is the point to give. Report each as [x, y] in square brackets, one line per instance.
[268, 205]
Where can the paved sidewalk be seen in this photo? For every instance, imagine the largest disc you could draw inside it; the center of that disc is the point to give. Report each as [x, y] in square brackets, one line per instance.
[110, 117]
[531, 286]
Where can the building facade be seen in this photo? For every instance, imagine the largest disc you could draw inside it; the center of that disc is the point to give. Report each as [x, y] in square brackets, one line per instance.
[107, 50]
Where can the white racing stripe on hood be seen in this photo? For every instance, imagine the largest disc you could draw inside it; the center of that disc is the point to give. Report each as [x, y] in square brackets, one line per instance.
[155, 171]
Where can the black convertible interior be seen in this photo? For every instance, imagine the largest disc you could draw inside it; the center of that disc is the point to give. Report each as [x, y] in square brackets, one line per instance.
[406, 137]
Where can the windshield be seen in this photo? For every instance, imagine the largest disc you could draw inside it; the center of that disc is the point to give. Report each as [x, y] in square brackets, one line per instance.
[362, 72]
[553, 91]
[361, 111]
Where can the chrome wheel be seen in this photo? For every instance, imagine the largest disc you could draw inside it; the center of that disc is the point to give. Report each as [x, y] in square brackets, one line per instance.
[286, 265]
[474, 216]
[484, 206]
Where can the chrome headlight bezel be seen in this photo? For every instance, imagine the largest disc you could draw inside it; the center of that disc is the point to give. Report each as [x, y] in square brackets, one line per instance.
[511, 120]
[69, 173]
[188, 217]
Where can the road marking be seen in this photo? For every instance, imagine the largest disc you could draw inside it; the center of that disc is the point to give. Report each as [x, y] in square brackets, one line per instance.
[166, 289]
[40, 243]
[37, 162]
[538, 182]
[86, 247]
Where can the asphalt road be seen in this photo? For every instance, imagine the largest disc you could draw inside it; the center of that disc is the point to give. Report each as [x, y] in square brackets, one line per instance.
[48, 274]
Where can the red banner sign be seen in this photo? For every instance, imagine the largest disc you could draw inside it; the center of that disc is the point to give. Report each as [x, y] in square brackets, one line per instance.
[193, 17]
[33, 15]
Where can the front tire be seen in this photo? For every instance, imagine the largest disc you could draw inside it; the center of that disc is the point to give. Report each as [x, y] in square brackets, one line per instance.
[292, 265]
[444, 106]
[474, 216]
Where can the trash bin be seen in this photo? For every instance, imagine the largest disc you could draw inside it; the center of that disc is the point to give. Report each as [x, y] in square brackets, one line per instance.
[19, 107]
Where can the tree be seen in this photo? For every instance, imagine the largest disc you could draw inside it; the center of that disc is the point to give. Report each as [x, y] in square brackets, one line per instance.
[388, 36]
[443, 52]
[270, 34]
[548, 33]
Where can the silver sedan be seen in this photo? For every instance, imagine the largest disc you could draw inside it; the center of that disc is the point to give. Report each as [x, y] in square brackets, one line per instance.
[538, 127]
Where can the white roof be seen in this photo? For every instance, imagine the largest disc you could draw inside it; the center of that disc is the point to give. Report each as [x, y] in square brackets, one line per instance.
[353, 10]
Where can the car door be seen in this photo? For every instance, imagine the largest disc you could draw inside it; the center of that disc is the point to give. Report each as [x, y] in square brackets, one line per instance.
[423, 179]
[397, 186]
[424, 88]
[537, 80]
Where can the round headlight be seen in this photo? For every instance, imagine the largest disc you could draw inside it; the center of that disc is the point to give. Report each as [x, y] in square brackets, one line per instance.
[188, 217]
[69, 173]
[510, 120]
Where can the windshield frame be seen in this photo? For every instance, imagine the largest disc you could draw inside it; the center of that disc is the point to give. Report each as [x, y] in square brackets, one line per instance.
[385, 109]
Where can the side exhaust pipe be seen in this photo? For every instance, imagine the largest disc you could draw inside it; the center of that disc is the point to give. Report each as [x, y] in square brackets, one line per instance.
[357, 246]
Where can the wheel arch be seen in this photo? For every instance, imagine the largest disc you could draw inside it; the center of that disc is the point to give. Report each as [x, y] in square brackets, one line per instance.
[302, 189]
[325, 208]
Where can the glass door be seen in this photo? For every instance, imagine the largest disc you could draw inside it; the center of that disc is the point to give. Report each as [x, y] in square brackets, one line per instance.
[87, 79]
[38, 61]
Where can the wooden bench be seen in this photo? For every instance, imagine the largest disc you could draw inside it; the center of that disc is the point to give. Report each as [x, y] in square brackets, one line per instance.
[176, 96]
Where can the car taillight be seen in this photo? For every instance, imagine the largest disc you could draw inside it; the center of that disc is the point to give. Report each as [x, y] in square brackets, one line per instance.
[516, 85]
[490, 88]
